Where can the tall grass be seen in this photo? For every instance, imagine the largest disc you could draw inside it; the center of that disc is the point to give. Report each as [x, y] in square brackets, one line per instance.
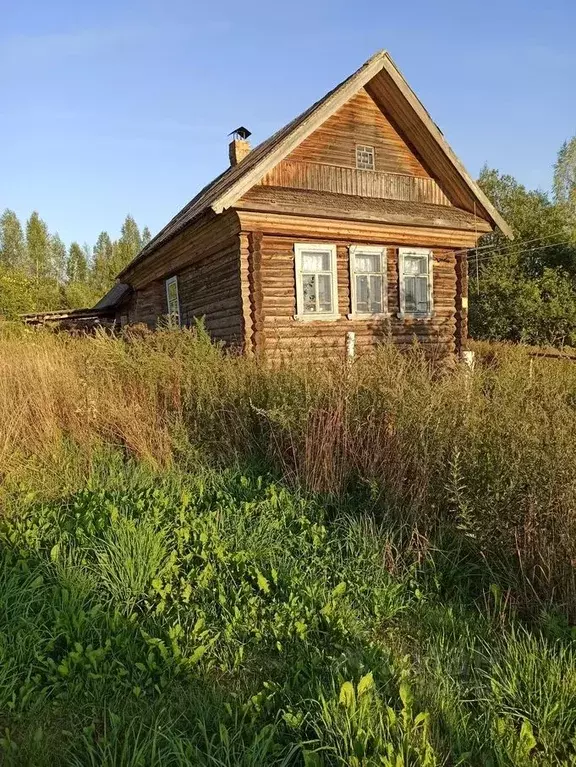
[484, 458]
[205, 560]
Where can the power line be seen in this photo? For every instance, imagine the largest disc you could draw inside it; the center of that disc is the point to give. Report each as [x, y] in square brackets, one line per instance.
[511, 247]
[488, 256]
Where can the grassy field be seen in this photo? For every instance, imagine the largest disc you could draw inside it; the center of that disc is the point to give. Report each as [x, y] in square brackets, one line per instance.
[205, 562]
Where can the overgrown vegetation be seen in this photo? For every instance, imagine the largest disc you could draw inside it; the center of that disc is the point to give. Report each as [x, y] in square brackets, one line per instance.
[205, 561]
[524, 290]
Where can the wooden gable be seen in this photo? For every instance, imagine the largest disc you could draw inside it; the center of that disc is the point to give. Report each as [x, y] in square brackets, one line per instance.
[326, 160]
[358, 122]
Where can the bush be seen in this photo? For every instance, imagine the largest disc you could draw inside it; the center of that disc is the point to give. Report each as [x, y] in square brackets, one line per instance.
[507, 305]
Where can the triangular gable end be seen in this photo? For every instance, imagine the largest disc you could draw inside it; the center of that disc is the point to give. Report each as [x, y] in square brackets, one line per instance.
[387, 88]
[326, 160]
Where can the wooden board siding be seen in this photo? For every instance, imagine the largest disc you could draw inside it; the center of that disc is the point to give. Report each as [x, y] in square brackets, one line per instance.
[210, 289]
[205, 258]
[410, 120]
[332, 229]
[351, 181]
[145, 305]
[461, 302]
[359, 121]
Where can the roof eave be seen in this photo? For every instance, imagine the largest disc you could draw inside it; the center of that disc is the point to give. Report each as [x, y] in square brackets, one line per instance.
[402, 84]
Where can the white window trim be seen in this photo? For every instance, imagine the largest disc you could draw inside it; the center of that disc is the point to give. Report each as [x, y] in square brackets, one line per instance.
[173, 281]
[299, 247]
[402, 252]
[364, 147]
[369, 250]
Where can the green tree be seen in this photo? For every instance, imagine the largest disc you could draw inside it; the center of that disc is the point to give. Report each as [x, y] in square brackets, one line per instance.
[79, 295]
[129, 244]
[77, 265]
[21, 293]
[37, 247]
[103, 263]
[12, 246]
[58, 258]
[565, 175]
[524, 290]
[146, 236]
[509, 305]
[542, 233]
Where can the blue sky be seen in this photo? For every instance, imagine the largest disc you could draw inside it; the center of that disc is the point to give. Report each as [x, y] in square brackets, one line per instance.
[121, 106]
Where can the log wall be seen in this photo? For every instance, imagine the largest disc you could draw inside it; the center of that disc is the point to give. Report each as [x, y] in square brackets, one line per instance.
[276, 333]
[205, 258]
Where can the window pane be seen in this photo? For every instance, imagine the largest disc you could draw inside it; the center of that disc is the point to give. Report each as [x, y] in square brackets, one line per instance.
[309, 293]
[367, 262]
[172, 292]
[172, 300]
[315, 261]
[422, 294]
[362, 294]
[415, 265]
[375, 294]
[410, 294]
[324, 293]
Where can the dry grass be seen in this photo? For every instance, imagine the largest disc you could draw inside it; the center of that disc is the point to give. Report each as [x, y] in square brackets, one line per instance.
[488, 457]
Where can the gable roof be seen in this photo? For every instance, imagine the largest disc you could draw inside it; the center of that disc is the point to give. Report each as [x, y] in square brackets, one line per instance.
[388, 88]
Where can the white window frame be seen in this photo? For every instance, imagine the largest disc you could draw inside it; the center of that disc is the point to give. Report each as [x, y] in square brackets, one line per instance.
[402, 253]
[371, 250]
[173, 317]
[299, 248]
[364, 148]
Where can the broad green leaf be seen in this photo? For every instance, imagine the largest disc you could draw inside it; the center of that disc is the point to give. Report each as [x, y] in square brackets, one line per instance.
[263, 584]
[527, 739]
[339, 589]
[365, 684]
[406, 694]
[347, 695]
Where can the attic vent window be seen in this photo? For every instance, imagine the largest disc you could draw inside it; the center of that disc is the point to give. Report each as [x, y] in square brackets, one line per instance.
[365, 157]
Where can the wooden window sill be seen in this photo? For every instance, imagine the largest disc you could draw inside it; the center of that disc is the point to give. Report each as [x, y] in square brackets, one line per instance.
[379, 316]
[414, 315]
[316, 317]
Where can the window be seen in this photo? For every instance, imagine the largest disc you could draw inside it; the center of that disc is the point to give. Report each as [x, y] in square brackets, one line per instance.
[368, 279]
[172, 300]
[415, 271]
[365, 157]
[316, 282]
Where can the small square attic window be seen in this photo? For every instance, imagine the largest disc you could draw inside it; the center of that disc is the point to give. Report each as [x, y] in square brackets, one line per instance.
[365, 157]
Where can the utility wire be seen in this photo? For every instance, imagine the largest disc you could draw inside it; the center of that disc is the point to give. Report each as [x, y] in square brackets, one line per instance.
[488, 256]
[511, 247]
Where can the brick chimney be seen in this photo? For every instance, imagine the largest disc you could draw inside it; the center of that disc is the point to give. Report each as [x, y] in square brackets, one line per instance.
[239, 146]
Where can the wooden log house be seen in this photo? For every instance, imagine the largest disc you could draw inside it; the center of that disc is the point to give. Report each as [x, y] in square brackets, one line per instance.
[354, 218]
